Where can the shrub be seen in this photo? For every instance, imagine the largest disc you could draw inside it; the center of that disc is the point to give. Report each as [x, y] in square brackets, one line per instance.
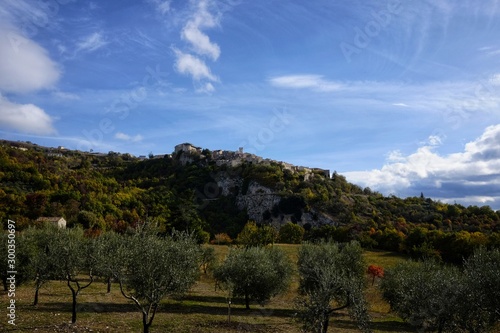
[221, 239]
[291, 233]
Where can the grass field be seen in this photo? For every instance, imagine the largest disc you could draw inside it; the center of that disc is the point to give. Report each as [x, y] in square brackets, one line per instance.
[202, 310]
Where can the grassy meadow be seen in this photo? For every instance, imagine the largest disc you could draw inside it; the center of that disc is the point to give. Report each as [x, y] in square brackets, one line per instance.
[203, 309]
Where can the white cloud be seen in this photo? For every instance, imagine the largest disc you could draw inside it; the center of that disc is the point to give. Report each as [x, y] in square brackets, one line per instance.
[314, 82]
[188, 64]
[92, 42]
[200, 46]
[471, 173]
[24, 65]
[192, 33]
[130, 138]
[26, 118]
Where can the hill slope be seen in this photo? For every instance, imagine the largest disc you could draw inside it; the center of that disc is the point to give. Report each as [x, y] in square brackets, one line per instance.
[219, 192]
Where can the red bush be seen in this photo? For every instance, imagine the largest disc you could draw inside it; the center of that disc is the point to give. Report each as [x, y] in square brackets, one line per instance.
[375, 271]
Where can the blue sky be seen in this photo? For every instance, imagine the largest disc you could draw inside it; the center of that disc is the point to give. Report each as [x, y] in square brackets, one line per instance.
[398, 95]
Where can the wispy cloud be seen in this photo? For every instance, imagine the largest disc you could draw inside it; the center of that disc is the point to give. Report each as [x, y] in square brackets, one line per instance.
[193, 34]
[460, 98]
[162, 6]
[206, 87]
[489, 50]
[92, 42]
[495, 80]
[191, 62]
[313, 82]
[129, 138]
[193, 66]
[435, 140]
[61, 95]
[23, 13]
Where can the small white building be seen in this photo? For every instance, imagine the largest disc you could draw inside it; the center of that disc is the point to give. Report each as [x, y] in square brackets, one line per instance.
[55, 220]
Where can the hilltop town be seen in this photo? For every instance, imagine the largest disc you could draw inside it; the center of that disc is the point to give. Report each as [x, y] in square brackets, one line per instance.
[188, 153]
[184, 152]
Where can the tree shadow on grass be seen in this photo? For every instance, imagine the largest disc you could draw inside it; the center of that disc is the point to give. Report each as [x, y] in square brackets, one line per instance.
[384, 326]
[203, 299]
[391, 326]
[237, 309]
[99, 307]
[173, 307]
[234, 326]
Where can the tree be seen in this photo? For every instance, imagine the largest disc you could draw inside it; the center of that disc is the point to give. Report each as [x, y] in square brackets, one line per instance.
[15, 256]
[107, 263]
[425, 294]
[291, 233]
[249, 236]
[186, 217]
[41, 264]
[89, 220]
[331, 278]
[73, 260]
[208, 259]
[255, 273]
[253, 235]
[154, 267]
[480, 309]
[375, 271]
[10, 253]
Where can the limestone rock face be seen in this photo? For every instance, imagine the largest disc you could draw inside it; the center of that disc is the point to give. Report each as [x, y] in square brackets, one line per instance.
[259, 201]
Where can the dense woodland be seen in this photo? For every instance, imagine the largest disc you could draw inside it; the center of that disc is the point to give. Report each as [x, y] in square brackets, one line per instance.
[113, 191]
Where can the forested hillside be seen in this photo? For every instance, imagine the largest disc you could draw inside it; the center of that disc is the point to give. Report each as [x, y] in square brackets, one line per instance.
[115, 191]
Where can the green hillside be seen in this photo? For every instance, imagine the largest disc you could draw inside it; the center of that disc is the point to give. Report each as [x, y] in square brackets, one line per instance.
[211, 193]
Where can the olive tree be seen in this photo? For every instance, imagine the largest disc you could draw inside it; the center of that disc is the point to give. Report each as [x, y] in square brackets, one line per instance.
[14, 251]
[37, 242]
[208, 259]
[255, 273]
[106, 249]
[425, 294]
[480, 308]
[331, 278]
[154, 267]
[72, 258]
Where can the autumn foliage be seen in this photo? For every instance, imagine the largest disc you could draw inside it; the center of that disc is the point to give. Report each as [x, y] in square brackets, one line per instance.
[375, 271]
